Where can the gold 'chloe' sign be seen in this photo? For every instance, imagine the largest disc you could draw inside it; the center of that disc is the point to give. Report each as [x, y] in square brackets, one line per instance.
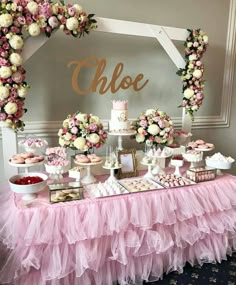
[100, 82]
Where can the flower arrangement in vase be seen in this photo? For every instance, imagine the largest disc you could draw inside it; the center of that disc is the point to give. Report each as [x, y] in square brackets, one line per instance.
[154, 127]
[82, 132]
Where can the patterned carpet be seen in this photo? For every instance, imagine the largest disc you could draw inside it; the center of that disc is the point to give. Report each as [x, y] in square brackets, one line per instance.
[209, 274]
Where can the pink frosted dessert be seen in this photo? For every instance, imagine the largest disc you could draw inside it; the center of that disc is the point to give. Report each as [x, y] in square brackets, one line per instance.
[119, 105]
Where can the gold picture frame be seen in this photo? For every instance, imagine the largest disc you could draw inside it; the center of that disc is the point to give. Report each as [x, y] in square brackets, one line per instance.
[127, 158]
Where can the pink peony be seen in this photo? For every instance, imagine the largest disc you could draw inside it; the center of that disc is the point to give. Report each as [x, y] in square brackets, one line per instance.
[143, 123]
[74, 130]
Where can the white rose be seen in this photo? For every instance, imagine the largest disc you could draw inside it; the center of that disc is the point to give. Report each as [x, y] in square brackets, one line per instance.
[8, 123]
[194, 108]
[188, 76]
[94, 119]
[61, 142]
[55, 9]
[67, 136]
[197, 73]
[153, 129]
[60, 132]
[72, 24]
[150, 112]
[65, 123]
[192, 57]
[79, 143]
[189, 44]
[94, 138]
[22, 92]
[191, 66]
[5, 72]
[34, 29]
[81, 117]
[16, 59]
[140, 130]
[4, 92]
[78, 8]
[11, 108]
[162, 133]
[6, 20]
[16, 42]
[205, 39]
[32, 7]
[140, 138]
[188, 93]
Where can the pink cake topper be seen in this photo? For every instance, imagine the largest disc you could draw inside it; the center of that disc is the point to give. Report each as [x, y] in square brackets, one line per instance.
[120, 105]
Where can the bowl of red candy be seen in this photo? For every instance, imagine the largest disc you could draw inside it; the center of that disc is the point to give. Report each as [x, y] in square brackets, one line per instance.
[28, 184]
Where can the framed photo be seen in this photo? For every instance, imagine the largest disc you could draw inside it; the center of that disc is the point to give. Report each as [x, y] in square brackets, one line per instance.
[129, 165]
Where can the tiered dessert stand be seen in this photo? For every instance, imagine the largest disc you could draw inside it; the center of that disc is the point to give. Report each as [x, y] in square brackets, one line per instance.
[112, 172]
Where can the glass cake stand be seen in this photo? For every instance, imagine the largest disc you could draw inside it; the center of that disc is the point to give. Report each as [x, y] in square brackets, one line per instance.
[120, 136]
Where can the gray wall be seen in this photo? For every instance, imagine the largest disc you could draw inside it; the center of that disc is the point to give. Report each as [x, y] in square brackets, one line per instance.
[51, 95]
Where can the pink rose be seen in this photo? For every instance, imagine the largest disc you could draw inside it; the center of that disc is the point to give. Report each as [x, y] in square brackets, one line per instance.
[143, 123]
[71, 11]
[17, 77]
[53, 22]
[21, 20]
[74, 130]
[3, 116]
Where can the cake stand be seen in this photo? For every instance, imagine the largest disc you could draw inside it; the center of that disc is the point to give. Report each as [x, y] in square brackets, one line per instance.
[158, 169]
[26, 166]
[56, 171]
[120, 137]
[112, 172]
[177, 163]
[219, 165]
[89, 177]
[149, 172]
[193, 159]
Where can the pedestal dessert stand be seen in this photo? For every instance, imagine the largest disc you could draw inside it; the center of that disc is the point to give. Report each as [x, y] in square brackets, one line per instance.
[89, 177]
[27, 166]
[120, 137]
[112, 172]
[158, 169]
[149, 172]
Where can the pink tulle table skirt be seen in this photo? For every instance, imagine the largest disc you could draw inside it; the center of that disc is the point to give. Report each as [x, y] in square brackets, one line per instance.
[124, 238]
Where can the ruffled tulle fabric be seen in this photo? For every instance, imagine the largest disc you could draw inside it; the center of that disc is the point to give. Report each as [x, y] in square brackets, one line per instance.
[119, 238]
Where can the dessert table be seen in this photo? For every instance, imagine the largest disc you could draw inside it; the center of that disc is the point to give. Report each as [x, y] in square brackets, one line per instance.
[134, 237]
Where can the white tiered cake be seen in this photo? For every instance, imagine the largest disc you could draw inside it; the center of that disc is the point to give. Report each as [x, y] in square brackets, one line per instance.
[119, 117]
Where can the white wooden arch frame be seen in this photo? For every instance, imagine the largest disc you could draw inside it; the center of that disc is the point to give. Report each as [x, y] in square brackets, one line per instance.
[163, 34]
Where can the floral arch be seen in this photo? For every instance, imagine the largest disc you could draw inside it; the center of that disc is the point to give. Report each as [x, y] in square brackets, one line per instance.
[45, 16]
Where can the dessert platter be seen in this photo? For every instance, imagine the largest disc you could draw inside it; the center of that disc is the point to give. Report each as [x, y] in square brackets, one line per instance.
[33, 144]
[108, 188]
[88, 161]
[57, 163]
[172, 180]
[26, 160]
[139, 184]
[200, 174]
[220, 162]
[119, 125]
[28, 184]
[201, 145]
[193, 156]
[65, 192]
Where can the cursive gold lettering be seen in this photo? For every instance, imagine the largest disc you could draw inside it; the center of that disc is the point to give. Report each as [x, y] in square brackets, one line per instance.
[101, 82]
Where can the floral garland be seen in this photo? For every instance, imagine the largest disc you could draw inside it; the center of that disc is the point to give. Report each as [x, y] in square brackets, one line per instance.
[82, 132]
[34, 16]
[195, 46]
[154, 126]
